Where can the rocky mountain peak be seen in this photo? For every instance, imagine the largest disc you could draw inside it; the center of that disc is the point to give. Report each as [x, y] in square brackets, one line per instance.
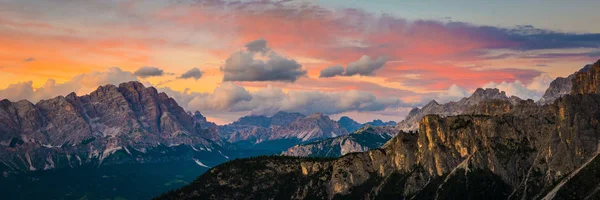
[95, 125]
[488, 93]
[410, 123]
[346, 119]
[587, 80]
[561, 86]
[317, 115]
[431, 103]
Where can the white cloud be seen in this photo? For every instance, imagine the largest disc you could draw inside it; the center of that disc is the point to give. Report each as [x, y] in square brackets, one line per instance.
[230, 97]
[194, 73]
[363, 66]
[453, 93]
[534, 90]
[81, 84]
[248, 65]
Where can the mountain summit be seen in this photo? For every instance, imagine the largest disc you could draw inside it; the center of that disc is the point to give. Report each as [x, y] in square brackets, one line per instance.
[411, 122]
[75, 130]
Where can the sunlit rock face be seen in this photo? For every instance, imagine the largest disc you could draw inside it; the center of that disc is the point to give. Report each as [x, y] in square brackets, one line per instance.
[128, 119]
[561, 86]
[411, 122]
[510, 151]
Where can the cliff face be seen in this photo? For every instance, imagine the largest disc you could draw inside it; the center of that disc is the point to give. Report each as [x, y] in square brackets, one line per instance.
[524, 151]
[560, 87]
[587, 80]
[76, 130]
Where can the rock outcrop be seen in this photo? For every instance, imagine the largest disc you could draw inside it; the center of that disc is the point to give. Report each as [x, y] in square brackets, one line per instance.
[411, 122]
[519, 151]
[560, 87]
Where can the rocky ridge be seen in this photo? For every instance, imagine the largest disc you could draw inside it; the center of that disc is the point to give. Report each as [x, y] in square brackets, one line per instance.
[282, 126]
[560, 87]
[350, 125]
[364, 139]
[128, 119]
[411, 122]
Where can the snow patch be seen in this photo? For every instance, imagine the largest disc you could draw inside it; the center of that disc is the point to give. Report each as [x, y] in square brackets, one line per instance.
[226, 157]
[200, 163]
[127, 150]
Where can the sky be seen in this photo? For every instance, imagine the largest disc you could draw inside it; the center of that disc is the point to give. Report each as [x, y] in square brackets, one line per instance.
[364, 59]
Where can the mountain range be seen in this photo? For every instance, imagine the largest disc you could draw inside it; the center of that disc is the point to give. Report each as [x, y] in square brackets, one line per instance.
[350, 125]
[514, 150]
[366, 138]
[126, 133]
[134, 129]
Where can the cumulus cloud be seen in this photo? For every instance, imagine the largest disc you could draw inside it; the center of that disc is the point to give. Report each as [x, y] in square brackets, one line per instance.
[229, 97]
[81, 84]
[259, 45]
[148, 72]
[248, 66]
[18, 91]
[364, 66]
[534, 90]
[194, 73]
[332, 71]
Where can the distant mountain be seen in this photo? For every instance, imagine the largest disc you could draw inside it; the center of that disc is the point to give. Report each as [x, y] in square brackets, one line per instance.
[75, 130]
[378, 122]
[279, 119]
[560, 87]
[280, 131]
[411, 122]
[350, 125]
[364, 139]
[509, 151]
[127, 130]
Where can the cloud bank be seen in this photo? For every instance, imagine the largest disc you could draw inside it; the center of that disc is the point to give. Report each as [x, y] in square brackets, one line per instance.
[80, 84]
[229, 97]
[248, 66]
[364, 66]
[145, 72]
[194, 73]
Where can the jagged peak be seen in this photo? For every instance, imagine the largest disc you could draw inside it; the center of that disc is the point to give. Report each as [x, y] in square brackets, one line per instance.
[5, 101]
[586, 80]
[432, 103]
[488, 92]
[346, 119]
[131, 84]
[317, 115]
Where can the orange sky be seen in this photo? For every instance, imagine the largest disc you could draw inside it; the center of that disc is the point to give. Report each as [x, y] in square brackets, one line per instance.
[424, 58]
